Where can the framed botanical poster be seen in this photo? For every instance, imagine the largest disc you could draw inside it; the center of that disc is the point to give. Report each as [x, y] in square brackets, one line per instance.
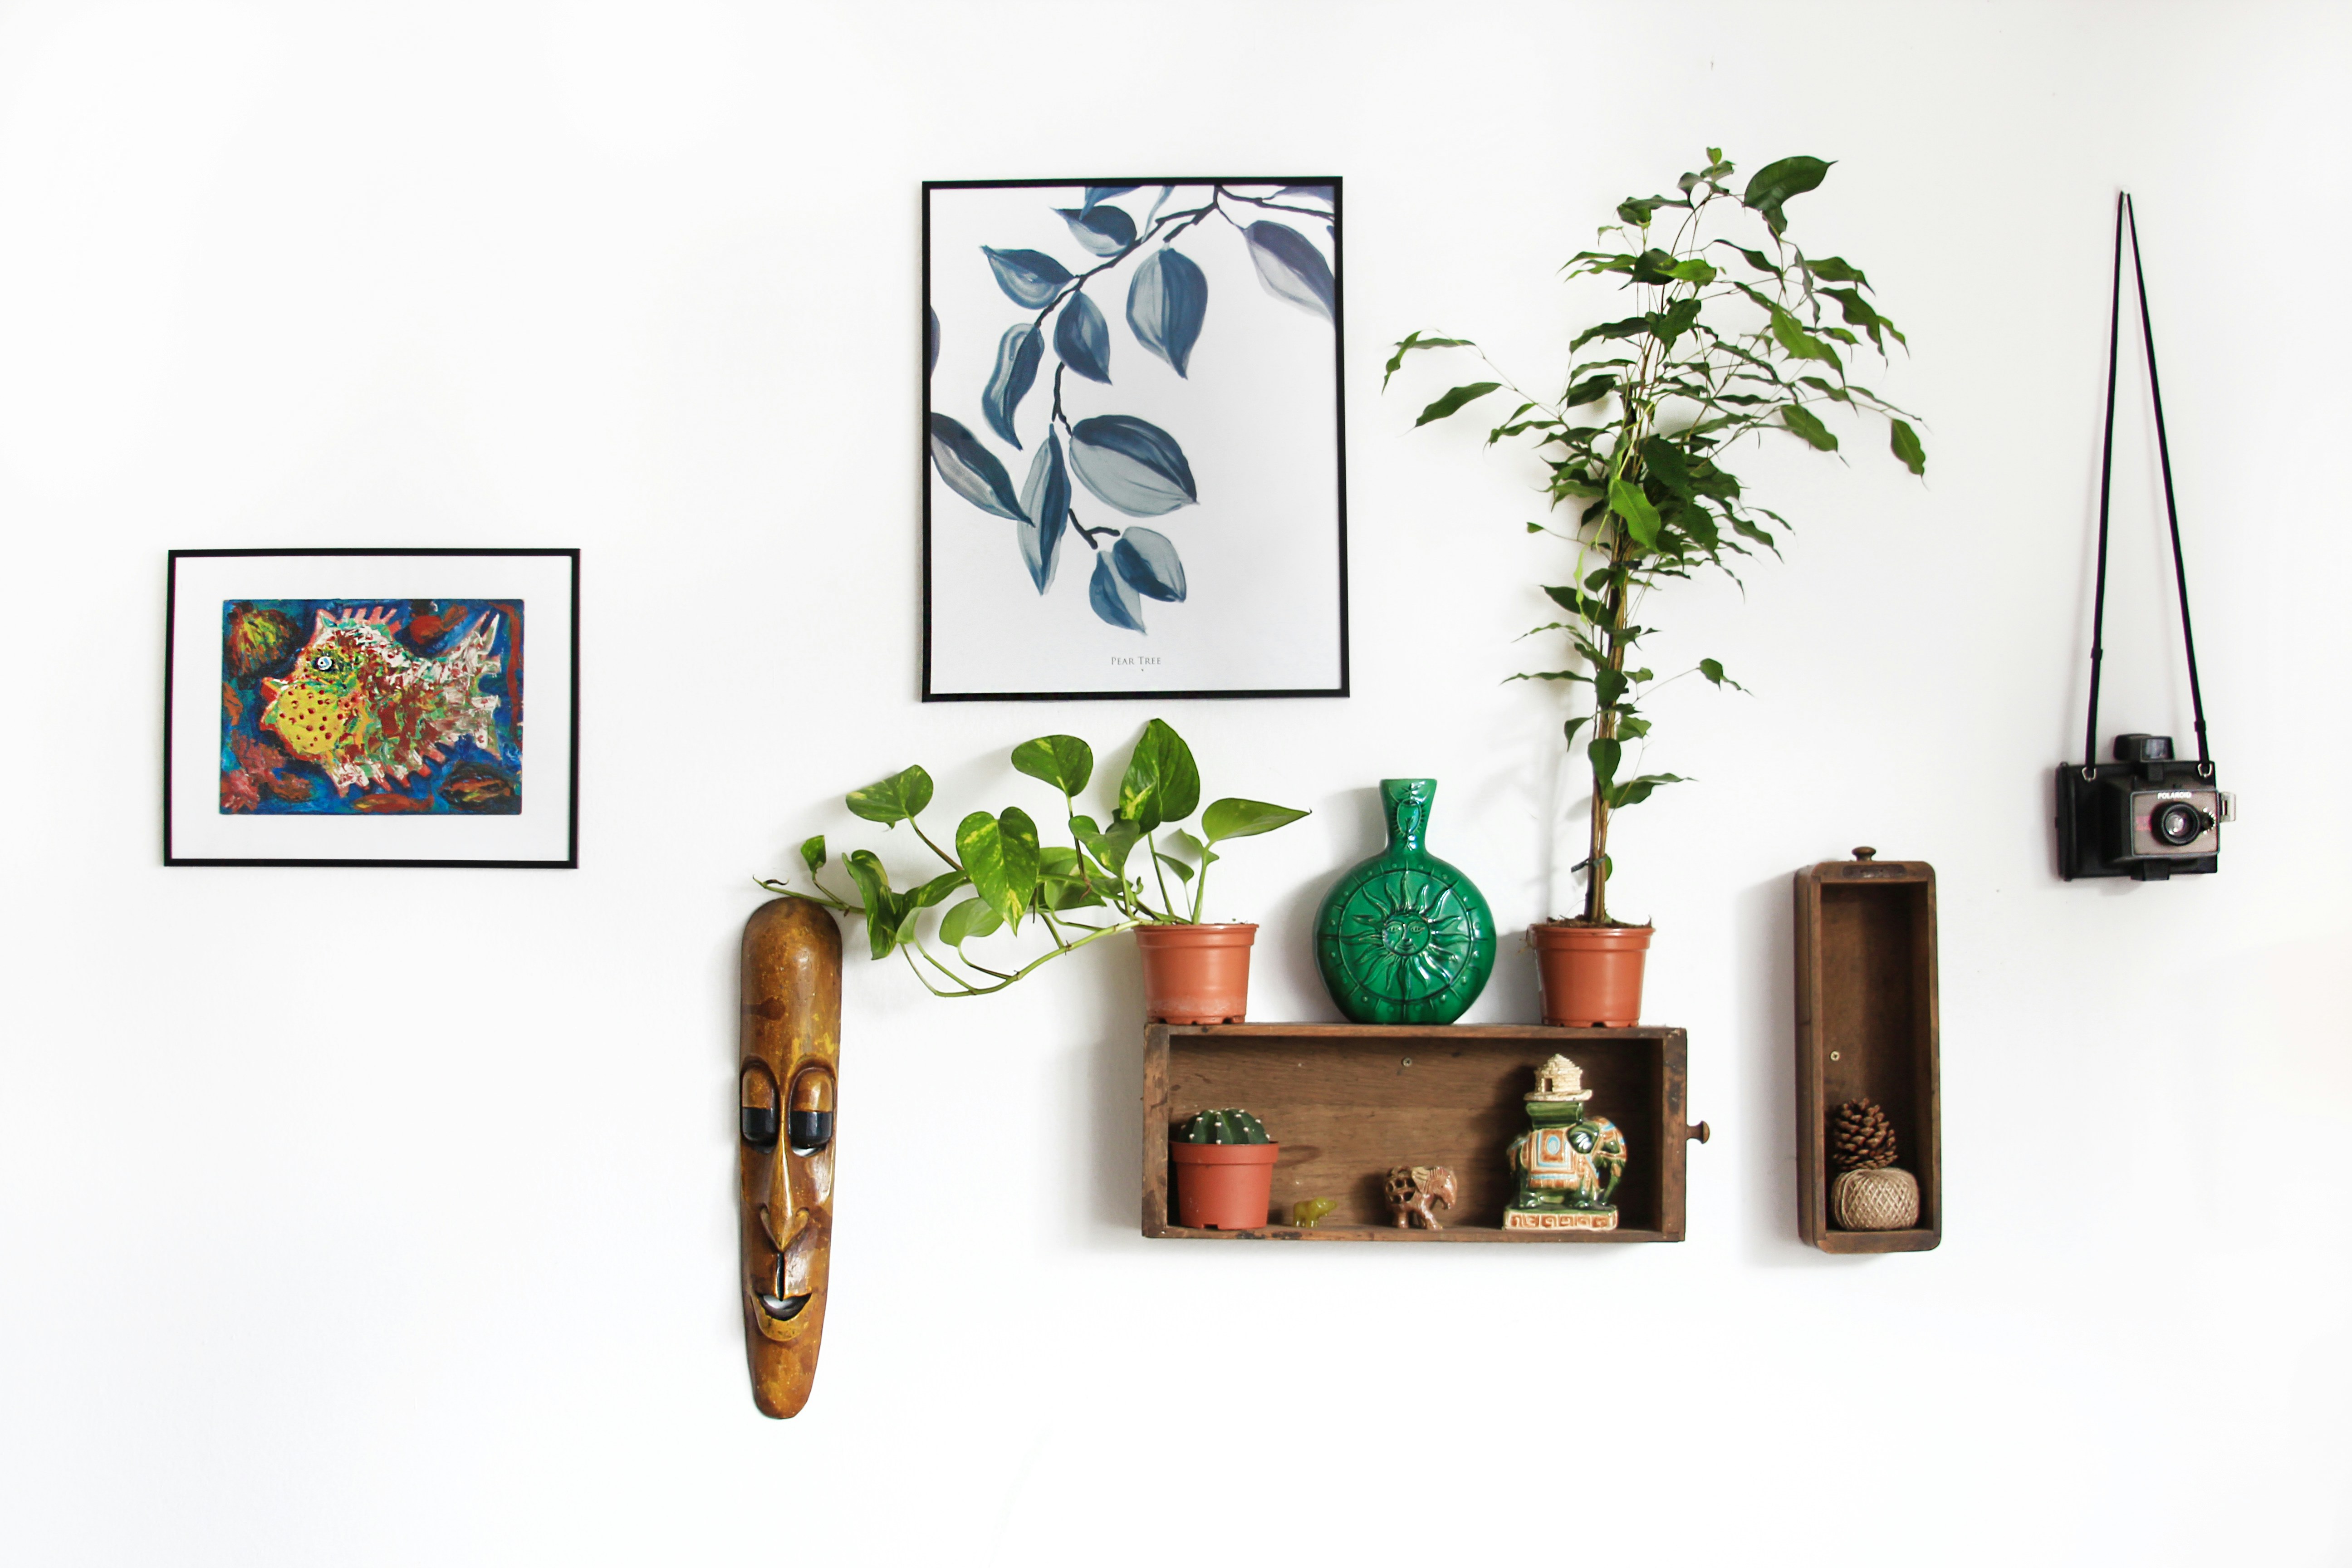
[368, 708]
[1135, 473]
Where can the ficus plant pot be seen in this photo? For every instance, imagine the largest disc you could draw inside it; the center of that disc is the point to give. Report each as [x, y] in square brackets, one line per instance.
[1196, 974]
[1224, 1186]
[1592, 974]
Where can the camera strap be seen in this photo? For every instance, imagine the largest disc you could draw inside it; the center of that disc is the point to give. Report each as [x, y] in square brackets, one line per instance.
[2127, 218]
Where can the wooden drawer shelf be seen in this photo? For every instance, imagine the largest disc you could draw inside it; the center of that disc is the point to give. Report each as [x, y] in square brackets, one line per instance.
[1348, 1102]
[1867, 1029]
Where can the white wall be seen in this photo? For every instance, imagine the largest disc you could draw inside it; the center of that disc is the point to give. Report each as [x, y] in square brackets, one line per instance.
[440, 1267]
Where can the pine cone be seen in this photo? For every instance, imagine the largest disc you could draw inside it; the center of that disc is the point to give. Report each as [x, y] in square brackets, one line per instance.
[1860, 1137]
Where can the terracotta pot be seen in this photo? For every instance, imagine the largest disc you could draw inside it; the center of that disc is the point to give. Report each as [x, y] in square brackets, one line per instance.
[1592, 974]
[1196, 974]
[1224, 1186]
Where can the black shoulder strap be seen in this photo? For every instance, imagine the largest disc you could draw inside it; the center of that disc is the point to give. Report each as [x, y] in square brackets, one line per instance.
[2127, 218]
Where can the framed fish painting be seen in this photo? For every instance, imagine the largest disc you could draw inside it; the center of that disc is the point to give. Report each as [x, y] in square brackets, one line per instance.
[1134, 440]
[371, 708]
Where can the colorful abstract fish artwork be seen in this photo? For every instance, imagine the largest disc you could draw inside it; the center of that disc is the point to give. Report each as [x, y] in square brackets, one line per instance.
[371, 706]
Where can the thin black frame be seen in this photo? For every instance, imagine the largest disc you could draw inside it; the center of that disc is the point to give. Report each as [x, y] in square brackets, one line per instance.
[570, 860]
[1339, 398]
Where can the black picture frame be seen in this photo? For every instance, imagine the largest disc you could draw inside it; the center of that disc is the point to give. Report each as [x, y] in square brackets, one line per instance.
[567, 659]
[1342, 685]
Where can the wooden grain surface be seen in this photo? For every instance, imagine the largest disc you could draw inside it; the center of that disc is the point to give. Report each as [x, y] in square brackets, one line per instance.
[1867, 1029]
[790, 1050]
[1346, 1102]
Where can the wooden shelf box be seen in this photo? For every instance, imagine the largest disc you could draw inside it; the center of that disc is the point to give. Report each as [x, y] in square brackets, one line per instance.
[1866, 1029]
[1349, 1101]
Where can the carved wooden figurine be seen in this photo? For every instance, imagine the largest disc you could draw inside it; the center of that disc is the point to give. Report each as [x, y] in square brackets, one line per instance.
[1414, 1190]
[790, 1051]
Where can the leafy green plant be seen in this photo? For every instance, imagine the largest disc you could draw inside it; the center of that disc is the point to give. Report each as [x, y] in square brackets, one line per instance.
[1731, 341]
[1012, 876]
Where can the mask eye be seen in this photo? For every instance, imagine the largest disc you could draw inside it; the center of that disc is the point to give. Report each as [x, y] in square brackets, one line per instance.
[324, 661]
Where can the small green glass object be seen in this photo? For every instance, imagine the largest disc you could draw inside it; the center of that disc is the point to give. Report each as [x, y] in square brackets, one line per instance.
[1405, 938]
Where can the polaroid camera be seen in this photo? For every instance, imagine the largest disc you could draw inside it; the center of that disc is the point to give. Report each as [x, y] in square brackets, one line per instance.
[2147, 814]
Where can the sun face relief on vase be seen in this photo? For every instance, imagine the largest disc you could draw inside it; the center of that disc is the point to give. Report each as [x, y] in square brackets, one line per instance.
[1405, 938]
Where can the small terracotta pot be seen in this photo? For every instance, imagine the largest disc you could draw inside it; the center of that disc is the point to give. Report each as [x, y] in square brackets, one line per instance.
[1224, 1186]
[1592, 974]
[1196, 974]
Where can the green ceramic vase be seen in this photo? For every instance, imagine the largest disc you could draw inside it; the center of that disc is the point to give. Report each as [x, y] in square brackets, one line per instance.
[1405, 938]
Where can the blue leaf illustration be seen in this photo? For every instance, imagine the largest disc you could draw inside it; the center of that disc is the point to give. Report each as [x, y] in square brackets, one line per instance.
[1017, 353]
[1047, 499]
[1030, 276]
[930, 339]
[1133, 465]
[1147, 561]
[1083, 339]
[1105, 231]
[1291, 268]
[1104, 192]
[1112, 598]
[1165, 306]
[971, 470]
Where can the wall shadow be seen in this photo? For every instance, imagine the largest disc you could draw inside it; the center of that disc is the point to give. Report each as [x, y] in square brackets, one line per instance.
[1764, 936]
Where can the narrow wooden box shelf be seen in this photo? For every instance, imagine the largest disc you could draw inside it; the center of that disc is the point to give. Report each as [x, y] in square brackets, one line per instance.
[1867, 1029]
[1348, 1102]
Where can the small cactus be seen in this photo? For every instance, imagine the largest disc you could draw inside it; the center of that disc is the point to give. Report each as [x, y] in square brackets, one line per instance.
[1223, 1126]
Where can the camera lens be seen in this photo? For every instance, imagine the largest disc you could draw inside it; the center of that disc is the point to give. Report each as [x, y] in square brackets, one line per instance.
[2177, 823]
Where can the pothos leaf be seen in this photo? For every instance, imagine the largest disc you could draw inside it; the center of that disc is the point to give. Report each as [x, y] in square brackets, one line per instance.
[1000, 855]
[1163, 783]
[813, 854]
[972, 918]
[1063, 761]
[895, 799]
[884, 908]
[1235, 818]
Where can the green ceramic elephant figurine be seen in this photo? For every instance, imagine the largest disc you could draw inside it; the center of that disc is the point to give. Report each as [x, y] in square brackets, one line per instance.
[1567, 1160]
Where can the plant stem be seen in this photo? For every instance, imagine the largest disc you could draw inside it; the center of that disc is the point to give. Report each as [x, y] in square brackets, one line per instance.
[1159, 870]
[952, 863]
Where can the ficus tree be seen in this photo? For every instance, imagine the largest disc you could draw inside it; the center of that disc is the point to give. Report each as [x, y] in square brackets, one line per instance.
[1738, 333]
[1094, 887]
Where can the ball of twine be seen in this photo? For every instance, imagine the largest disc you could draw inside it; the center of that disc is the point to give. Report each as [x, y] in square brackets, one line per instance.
[1886, 1199]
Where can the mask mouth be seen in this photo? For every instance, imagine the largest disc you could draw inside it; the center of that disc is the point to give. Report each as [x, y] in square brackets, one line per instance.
[781, 1309]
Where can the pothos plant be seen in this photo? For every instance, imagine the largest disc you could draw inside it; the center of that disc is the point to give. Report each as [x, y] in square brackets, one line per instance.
[1130, 465]
[1011, 876]
[1731, 339]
